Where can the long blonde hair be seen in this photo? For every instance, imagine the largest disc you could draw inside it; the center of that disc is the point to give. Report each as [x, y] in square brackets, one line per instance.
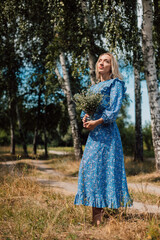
[114, 68]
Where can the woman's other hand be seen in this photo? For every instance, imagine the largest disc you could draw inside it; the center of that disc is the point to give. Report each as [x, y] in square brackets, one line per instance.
[85, 119]
[90, 125]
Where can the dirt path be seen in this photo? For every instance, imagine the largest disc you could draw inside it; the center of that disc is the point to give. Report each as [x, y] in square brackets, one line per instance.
[71, 188]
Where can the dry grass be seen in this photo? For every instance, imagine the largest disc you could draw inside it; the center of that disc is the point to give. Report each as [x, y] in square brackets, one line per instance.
[134, 168]
[146, 198]
[30, 211]
[152, 178]
[66, 165]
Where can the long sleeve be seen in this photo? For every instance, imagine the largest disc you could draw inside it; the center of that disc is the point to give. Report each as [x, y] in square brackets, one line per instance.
[82, 114]
[110, 112]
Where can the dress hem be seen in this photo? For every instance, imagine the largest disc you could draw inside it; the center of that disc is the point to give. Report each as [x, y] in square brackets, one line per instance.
[101, 203]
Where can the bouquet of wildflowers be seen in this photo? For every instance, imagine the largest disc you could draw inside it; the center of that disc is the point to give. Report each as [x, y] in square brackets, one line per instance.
[88, 101]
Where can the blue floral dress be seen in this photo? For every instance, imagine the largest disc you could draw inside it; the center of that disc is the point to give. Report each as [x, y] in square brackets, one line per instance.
[102, 178]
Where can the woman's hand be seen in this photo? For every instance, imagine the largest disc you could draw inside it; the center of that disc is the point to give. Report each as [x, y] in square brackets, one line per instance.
[85, 119]
[90, 125]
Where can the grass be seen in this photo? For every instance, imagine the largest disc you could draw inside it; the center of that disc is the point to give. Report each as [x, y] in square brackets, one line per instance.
[145, 198]
[134, 168]
[30, 211]
[148, 178]
[19, 149]
[142, 172]
[136, 172]
[65, 164]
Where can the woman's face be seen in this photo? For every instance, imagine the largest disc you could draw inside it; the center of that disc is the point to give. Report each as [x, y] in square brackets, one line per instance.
[104, 64]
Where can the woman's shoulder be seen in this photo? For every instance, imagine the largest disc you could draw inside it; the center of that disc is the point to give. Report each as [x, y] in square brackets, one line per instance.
[117, 85]
[117, 81]
[105, 86]
[109, 83]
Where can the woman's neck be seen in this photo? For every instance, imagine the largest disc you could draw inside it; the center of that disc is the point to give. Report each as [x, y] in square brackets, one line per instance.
[105, 77]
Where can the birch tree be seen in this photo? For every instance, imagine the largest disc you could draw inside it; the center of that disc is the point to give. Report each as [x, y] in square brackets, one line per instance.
[151, 77]
[10, 60]
[137, 62]
[65, 83]
[138, 153]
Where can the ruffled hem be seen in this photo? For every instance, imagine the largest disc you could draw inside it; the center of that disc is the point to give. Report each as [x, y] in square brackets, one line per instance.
[101, 203]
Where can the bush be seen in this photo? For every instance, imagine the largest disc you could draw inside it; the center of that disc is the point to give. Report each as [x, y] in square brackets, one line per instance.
[4, 138]
[128, 139]
[147, 137]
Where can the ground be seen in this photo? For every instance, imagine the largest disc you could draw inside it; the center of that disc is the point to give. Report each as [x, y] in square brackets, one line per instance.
[36, 202]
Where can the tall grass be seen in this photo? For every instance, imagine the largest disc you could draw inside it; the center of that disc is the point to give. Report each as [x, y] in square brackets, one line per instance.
[30, 211]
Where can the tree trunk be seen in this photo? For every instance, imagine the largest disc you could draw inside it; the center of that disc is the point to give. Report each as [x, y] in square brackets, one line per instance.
[45, 134]
[12, 132]
[37, 124]
[35, 140]
[71, 107]
[138, 154]
[12, 123]
[21, 132]
[151, 77]
[45, 143]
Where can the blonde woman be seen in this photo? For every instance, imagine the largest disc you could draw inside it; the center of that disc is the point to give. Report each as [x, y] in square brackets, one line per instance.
[102, 178]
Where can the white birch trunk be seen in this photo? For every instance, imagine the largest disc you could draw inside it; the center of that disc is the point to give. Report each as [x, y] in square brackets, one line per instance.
[138, 155]
[151, 77]
[65, 83]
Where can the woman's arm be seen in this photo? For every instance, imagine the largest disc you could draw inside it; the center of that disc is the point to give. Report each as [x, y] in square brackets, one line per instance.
[116, 97]
[110, 114]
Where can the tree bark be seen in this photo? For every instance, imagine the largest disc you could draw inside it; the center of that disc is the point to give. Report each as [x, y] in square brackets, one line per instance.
[138, 154]
[35, 140]
[45, 143]
[37, 124]
[12, 122]
[151, 77]
[12, 132]
[45, 133]
[21, 131]
[65, 82]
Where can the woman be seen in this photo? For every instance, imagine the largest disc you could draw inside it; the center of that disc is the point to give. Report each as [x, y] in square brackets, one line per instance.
[102, 179]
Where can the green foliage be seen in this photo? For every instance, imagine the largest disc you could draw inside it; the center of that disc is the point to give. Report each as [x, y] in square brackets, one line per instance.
[147, 137]
[128, 139]
[67, 138]
[4, 137]
[36, 40]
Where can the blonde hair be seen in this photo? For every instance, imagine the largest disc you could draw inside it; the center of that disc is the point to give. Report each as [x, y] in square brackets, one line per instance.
[114, 68]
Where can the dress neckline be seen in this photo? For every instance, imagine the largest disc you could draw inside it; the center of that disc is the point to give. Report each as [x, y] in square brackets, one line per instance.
[106, 81]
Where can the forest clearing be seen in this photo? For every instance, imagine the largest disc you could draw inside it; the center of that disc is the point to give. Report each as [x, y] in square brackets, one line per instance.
[70, 70]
